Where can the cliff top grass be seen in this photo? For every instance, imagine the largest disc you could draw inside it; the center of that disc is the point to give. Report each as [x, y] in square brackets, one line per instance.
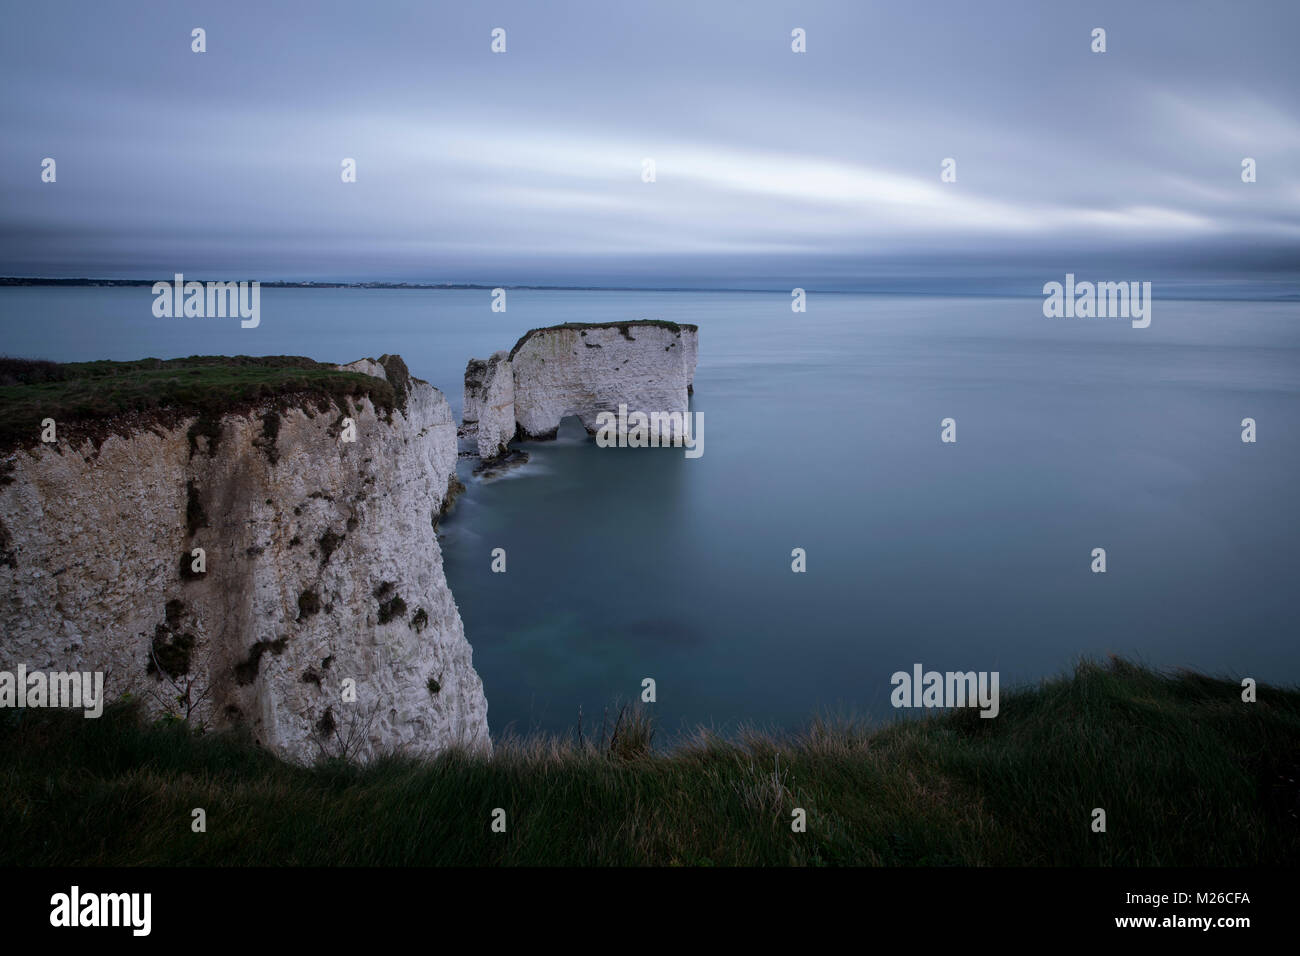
[623, 327]
[1188, 775]
[89, 397]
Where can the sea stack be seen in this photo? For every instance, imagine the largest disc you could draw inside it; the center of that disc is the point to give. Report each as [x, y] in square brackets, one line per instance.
[579, 369]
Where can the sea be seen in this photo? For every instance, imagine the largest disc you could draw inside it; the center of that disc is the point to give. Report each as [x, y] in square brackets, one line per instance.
[822, 432]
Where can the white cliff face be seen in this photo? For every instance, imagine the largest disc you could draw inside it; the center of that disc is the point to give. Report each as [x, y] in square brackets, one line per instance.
[322, 567]
[490, 403]
[581, 370]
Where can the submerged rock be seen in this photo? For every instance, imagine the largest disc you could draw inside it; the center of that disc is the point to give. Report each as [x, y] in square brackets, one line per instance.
[496, 467]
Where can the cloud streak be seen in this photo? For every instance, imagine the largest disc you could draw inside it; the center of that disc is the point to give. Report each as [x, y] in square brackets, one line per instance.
[529, 163]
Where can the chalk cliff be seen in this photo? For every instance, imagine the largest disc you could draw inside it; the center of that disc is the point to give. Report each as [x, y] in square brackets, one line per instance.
[490, 403]
[577, 369]
[322, 570]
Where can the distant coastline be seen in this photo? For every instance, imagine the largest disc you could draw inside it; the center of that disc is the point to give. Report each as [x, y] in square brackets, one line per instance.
[12, 281]
[1029, 293]
[284, 284]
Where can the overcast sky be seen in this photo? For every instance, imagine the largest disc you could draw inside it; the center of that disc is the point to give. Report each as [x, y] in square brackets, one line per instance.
[527, 166]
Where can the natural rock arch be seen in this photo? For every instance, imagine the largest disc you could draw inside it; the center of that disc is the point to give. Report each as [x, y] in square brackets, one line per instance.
[577, 369]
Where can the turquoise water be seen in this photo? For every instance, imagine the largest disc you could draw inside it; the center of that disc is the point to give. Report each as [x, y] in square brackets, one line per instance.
[822, 432]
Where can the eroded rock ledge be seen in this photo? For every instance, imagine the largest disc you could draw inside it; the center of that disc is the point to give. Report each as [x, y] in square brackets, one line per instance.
[577, 369]
[322, 566]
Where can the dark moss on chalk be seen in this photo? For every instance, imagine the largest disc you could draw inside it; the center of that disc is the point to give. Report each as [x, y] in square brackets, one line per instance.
[393, 608]
[326, 724]
[195, 516]
[187, 567]
[206, 426]
[246, 670]
[270, 434]
[391, 604]
[308, 604]
[170, 652]
[7, 552]
[329, 543]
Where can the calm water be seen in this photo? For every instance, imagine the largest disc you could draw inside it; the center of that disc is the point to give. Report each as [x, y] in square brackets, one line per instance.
[822, 432]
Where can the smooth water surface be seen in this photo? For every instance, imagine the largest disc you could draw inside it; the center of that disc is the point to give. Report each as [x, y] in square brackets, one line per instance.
[822, 431]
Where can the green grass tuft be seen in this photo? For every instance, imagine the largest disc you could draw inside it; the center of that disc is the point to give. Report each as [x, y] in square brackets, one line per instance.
[1188, 775]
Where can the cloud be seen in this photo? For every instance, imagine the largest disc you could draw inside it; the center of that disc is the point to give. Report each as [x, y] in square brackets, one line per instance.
[535, 157]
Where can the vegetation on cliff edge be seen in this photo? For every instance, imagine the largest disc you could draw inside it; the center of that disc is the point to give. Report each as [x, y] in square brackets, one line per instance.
[85, 397]
[1187, 773]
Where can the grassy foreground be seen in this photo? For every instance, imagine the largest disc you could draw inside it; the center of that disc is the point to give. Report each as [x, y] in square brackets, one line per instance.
[1187, 773]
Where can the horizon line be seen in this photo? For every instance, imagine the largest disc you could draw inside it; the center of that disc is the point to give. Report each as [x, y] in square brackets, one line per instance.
[85, 281]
